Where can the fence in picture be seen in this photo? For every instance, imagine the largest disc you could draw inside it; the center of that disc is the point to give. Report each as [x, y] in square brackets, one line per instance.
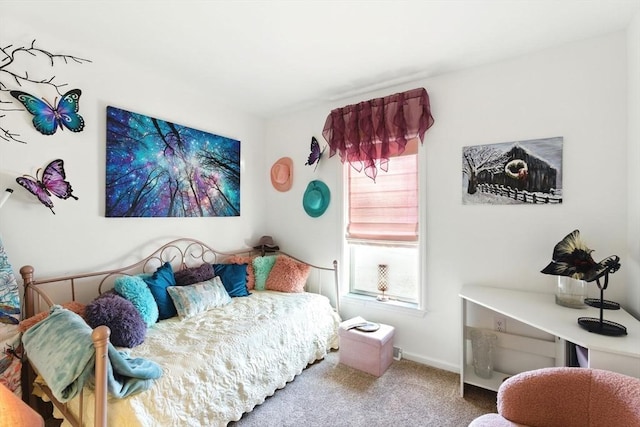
[522, 195]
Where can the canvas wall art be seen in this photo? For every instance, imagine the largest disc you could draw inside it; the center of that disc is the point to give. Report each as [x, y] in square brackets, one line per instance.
[156, 168]
[518, 172]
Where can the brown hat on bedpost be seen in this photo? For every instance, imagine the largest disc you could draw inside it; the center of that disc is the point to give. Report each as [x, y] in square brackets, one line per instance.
[266, 244]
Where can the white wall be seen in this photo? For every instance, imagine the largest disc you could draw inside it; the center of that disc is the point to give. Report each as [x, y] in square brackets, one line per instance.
[633, 264]
[79, 237]
[577, 91]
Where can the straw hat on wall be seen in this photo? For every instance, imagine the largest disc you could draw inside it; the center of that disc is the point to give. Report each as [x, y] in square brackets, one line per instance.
[282, 174]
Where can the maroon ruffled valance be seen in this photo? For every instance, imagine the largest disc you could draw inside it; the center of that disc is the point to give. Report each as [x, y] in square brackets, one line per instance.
[368, 133]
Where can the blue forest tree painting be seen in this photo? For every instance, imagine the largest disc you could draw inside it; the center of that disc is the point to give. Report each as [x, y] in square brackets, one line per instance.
[156, 168]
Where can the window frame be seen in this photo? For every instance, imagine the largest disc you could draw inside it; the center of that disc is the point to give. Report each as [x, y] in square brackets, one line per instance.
[347, 294]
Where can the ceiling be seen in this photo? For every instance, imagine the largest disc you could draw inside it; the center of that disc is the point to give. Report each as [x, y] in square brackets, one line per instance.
[272, 57]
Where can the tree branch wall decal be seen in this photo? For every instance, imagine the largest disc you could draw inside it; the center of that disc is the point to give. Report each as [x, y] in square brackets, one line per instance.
[14, 74]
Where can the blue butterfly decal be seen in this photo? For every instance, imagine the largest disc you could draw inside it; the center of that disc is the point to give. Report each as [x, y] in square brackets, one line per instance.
[52, 183]
[47, 118]
[316, 154]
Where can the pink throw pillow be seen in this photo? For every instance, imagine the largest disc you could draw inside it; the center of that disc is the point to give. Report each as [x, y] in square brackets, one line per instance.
[287, 275]
[244, 259]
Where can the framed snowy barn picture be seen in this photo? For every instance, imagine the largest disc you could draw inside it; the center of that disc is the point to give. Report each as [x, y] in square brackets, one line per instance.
[518, 172]
[156, 168]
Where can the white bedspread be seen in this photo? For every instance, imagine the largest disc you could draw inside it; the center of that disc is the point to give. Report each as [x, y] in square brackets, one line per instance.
[222, 363]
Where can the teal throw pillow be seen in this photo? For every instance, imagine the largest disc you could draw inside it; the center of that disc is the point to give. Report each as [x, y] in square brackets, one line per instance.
[234, 278]
[134, 289]
[262, 266]
[158, 283]
[193, 299]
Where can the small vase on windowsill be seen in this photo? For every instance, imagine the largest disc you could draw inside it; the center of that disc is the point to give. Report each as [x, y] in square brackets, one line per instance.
[383, 281]
[571, 292]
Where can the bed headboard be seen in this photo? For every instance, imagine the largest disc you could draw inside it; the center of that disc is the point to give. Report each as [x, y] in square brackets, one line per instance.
[181, 253]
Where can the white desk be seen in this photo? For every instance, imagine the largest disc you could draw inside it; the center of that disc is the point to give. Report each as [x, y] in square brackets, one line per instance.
[539, 310]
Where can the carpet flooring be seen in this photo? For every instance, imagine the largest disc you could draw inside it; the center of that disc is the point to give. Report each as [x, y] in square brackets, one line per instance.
[328, 393]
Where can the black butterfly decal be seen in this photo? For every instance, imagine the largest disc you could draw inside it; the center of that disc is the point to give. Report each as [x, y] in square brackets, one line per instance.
[316, 154]
[52, 182]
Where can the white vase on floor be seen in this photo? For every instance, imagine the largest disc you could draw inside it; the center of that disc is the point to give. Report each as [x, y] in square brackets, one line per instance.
[483, 344]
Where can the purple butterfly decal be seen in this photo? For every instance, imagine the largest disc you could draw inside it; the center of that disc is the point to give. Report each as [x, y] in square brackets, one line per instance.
[47, 118]
[316, 154]
[52, 182]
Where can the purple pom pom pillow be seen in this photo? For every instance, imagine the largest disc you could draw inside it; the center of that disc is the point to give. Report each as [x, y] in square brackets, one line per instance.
[192, 275]
[120, 315]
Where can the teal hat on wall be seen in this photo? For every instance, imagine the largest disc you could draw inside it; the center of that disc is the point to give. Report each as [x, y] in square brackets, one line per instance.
[316, 198]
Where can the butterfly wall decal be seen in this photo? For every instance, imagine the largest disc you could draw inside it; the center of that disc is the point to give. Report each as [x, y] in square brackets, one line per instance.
[52, 182]
[48, 118]
[316, 154]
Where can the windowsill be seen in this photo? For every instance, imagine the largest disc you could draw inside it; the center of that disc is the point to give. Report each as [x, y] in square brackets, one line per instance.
[391, 305]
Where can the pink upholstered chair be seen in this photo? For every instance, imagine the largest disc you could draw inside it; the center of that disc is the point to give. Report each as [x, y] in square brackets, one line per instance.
[566, 397]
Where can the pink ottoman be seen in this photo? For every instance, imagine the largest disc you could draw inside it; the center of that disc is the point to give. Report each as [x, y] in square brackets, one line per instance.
[370, 352]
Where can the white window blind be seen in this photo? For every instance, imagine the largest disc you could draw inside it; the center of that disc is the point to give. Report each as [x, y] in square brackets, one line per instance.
[386, 209]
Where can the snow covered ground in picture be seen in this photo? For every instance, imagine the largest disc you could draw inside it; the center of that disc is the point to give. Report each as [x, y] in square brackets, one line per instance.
[513, 172]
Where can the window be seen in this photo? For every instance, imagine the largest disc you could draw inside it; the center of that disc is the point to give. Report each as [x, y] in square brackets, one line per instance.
[382, 218]
[382, 227]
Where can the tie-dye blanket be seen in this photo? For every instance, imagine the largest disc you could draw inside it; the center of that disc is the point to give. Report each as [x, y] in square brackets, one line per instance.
[10, 364]
[62, 349]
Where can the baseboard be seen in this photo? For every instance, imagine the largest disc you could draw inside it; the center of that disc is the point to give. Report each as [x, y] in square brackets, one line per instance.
[435, 363]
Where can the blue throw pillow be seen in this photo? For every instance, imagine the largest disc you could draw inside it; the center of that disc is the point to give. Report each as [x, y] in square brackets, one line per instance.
[234, 278]
[158, 283]
[134, 289]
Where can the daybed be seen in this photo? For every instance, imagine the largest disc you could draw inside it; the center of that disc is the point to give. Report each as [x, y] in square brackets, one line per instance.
[217, 362]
